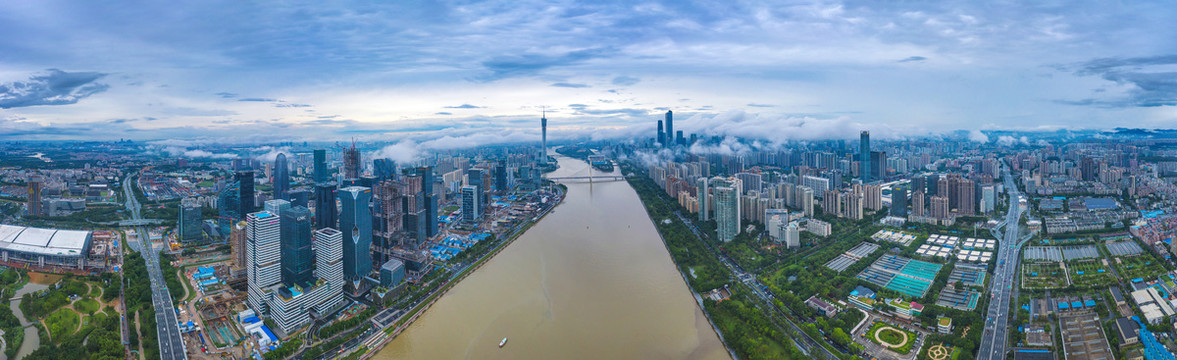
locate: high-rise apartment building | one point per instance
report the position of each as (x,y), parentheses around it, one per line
(727,208)
(702,193)
(917,204)
(940,208)
(872,197)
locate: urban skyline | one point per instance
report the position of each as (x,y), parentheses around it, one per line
(423,73)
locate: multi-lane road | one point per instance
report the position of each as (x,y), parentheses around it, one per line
(171,344)
(993,341)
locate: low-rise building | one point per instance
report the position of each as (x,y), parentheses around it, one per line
(821,306)
(1128,330)
(944,325)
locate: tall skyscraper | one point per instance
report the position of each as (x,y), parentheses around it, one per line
(299,197)
(501,177)
(355,222)
(351,162)
(263,237)
(296,247)
(864,167)
(475,177)
(320,172)
(669,128)
(383,169)
(281,178)
(427,179)
(281,291)
(898,201)
(543,124)
(34,200)
(878,165)
(326,214)
(471,208)
(245,192)
(661,135)
(188,225)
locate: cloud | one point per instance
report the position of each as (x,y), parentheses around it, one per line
(775,128)
(403,152)
(182,151)
(569,85)
(464,106)
(625,80)
(760,105)
(728,146)
(271,153)
(54,87)
(913,59)
(978,136)
(442,113)
(1006,140)
(226,95)
(258,100)
(531,64)
(1150,81)
(626,111)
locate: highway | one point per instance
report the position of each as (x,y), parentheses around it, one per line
(994,340)
(171,344)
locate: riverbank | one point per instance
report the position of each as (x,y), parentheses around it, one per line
(373,347)
(745,330)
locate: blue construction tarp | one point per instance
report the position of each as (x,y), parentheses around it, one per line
(269,333)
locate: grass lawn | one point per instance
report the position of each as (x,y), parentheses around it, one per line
(95,290)
(87,306)
(62,322)
(891,335)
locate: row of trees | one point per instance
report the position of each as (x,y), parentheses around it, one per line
(138,297)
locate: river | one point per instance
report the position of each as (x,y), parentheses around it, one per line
(32,341)
(592,280)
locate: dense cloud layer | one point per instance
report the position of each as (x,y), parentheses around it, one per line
(54,87)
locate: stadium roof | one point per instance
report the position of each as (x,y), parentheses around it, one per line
(44,241)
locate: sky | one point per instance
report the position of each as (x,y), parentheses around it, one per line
(460,74)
